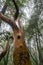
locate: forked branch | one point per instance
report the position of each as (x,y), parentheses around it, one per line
(9,21)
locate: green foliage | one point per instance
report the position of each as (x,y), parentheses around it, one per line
(19,2)
(8,2)
(34,31)
(4,61)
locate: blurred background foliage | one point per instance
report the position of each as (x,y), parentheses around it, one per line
(31,15)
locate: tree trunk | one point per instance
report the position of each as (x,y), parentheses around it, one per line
(20,56)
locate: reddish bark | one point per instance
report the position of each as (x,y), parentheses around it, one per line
(21,56)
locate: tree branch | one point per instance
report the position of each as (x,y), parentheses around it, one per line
(3,11)
(17,10)
(4,8)
(4,18)
(9,21)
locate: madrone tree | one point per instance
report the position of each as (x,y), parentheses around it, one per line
(20,55)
